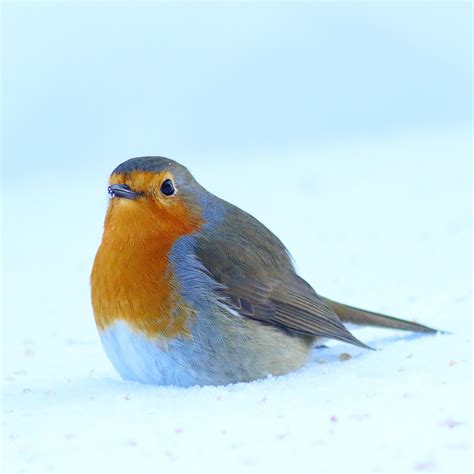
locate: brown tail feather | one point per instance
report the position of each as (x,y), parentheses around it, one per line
(348,314)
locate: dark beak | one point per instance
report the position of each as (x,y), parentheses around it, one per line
(123,191)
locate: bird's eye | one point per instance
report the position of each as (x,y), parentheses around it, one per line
(167,188)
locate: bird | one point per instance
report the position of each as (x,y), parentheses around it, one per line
(188,289)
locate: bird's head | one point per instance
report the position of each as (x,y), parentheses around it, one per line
(153,195)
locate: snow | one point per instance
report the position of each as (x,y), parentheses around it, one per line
(383,224)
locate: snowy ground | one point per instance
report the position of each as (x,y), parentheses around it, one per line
(384,225)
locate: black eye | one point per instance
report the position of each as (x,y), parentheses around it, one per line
(167,188)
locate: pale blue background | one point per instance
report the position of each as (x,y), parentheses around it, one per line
(345,128)
(98,83)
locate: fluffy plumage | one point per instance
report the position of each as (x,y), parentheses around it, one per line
(189,289)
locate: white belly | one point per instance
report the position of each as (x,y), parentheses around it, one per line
(216,354)
(136,357)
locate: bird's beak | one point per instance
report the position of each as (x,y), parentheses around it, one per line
(123,191)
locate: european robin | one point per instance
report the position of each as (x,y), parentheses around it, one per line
(188,289)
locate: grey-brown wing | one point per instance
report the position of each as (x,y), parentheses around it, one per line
(255,286)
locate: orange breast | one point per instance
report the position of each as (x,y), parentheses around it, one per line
(131,278)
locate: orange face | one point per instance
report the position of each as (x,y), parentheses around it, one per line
(131,279)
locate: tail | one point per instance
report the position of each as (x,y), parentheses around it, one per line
(348,314)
